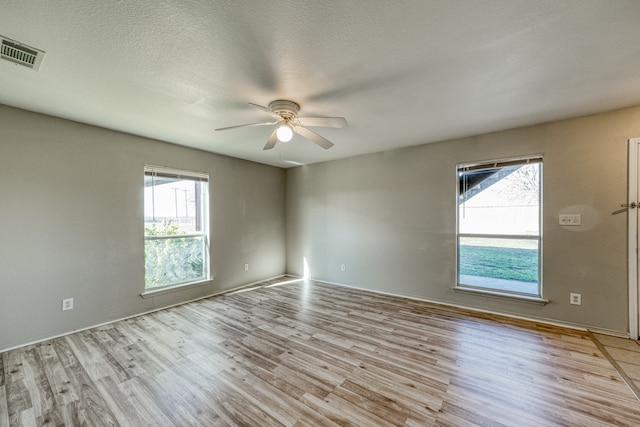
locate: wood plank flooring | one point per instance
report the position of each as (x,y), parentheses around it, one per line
(311,354)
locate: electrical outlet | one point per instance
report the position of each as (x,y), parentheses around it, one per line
(67,304)
(575,299)
(343,267)
(246,267)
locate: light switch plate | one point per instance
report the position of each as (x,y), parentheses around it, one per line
(570,219)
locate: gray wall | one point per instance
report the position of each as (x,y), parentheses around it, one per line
(390,217)
(71,223)
(71,213)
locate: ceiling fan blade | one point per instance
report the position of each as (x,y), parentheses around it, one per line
(312,136)
(265,109)
(326,122)
(271,142)
(248,125)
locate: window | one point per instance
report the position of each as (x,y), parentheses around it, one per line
(499,226)
(176,249)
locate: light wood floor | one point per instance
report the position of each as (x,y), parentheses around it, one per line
(312,354)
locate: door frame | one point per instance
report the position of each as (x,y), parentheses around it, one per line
(634,176)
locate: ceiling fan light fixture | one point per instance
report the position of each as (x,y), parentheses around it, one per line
(286,116)
(284,133)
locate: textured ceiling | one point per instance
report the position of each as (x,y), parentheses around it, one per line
(401,72)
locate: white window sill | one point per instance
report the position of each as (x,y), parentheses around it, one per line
(504,295)
(173,288)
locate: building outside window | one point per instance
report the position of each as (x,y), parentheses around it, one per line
(499,226)
(175,227)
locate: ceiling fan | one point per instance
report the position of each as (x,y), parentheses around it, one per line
(286,116)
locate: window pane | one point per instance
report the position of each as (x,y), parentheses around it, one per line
(499,264)
(175,227)
(172,206)
(500,201)
(174,260)
(499,228)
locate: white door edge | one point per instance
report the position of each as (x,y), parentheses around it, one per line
(634,151)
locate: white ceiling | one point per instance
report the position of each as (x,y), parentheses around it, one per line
(401,72)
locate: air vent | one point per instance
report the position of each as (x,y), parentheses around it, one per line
(20,53)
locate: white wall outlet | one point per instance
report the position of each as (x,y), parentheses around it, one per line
(343,267)
(570,219)
(67,304)
(575,299)
(246,267)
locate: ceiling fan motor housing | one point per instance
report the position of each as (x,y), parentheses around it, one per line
(288,110)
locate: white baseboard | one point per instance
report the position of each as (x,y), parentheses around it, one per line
(3,350)
(543,320)
(610,332)
(551,322)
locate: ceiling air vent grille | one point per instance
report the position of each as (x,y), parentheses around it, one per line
(19,53)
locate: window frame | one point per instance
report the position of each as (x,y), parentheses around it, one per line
(167,172)
(497,292)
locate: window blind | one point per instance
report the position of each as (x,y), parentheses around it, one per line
(500,163)
(164,172)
